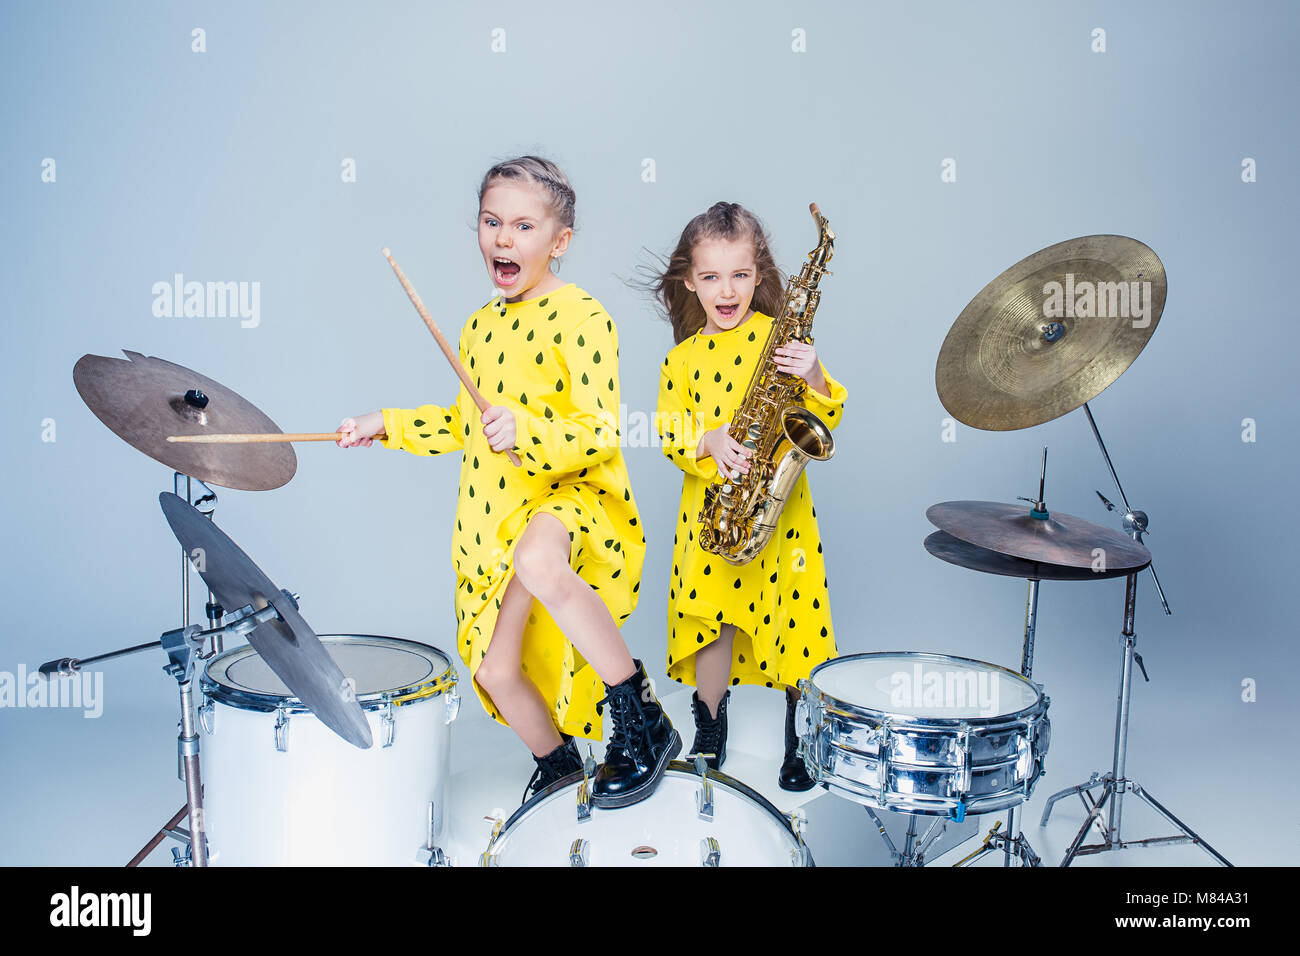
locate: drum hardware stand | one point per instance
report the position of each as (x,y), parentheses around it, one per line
(206,505)
(1014,842)
(1115,784)
(997,840)
(913,853)
(436,856)
(183,646)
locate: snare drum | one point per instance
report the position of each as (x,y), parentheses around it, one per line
(923,733)
(281,788)
(690,820)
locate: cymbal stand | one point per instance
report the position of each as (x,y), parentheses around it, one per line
(205,504)
(1115,784)
(183,646)
(1013,842)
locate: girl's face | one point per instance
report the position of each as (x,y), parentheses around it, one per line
(723,276)
(518,236)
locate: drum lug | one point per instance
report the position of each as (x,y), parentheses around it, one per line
(282,729)
(578,852)
(487,857)
(584,788)
(881,736)
(710,852)
(388,724)
(963,775)
(451,707)
(704,796)
(800,855)
(207,718)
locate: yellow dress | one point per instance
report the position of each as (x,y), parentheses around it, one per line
(778,601)
(553,361)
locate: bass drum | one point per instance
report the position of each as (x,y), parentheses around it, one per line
(282,789)
(682,824)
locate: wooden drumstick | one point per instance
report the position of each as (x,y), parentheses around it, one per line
(447,350)
(233,438)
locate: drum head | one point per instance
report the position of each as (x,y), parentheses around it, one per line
(925,686)
(379,666)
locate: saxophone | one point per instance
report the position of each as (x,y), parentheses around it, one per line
(740,514)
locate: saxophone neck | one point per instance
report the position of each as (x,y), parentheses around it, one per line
(825,239)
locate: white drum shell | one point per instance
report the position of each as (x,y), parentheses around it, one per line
(322,801)
(748,829)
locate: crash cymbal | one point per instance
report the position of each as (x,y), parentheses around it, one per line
(1059,539)
(965,555)
(289,646)
(144,399)
(1051,332)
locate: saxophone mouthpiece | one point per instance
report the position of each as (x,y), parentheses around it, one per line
(812,208)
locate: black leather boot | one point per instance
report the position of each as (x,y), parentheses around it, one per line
(642,743)
(710,730)
(560,762)
(794,775)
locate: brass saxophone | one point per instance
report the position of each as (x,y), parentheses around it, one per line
(740,514)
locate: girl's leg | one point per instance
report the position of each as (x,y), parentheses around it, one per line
(542,563)
(500,674)
(713,668)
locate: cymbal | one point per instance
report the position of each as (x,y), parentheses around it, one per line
(1012,359)
(289,646)
(963,554)
(143,399)
(1059,539)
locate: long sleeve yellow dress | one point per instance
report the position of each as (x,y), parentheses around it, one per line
(553,361)
(778,601)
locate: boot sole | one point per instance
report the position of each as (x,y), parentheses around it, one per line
(646,789)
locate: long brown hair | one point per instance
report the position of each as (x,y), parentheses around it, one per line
(723,220)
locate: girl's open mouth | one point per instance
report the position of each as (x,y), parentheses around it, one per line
(727,311)
(506,272)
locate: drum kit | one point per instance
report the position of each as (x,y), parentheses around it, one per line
(333,749)
(1026,350)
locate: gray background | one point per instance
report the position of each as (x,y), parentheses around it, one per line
(224,166)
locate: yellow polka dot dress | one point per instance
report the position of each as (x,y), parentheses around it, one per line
(553,361)
(779,600)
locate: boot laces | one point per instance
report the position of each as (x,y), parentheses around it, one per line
(627,716)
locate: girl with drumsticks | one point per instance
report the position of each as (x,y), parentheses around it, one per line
(767,622)
(548,555)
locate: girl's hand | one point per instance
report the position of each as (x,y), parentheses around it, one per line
(360,430)
(731,456)
(799,358)
(499,427)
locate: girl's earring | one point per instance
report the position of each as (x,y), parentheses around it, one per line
(555,262)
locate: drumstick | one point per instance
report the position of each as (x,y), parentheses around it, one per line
(452,357)
(236,438)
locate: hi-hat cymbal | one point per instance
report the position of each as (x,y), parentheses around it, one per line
(1025,351)
(1059,539)
(289,646)
(144,399)
(966,555)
